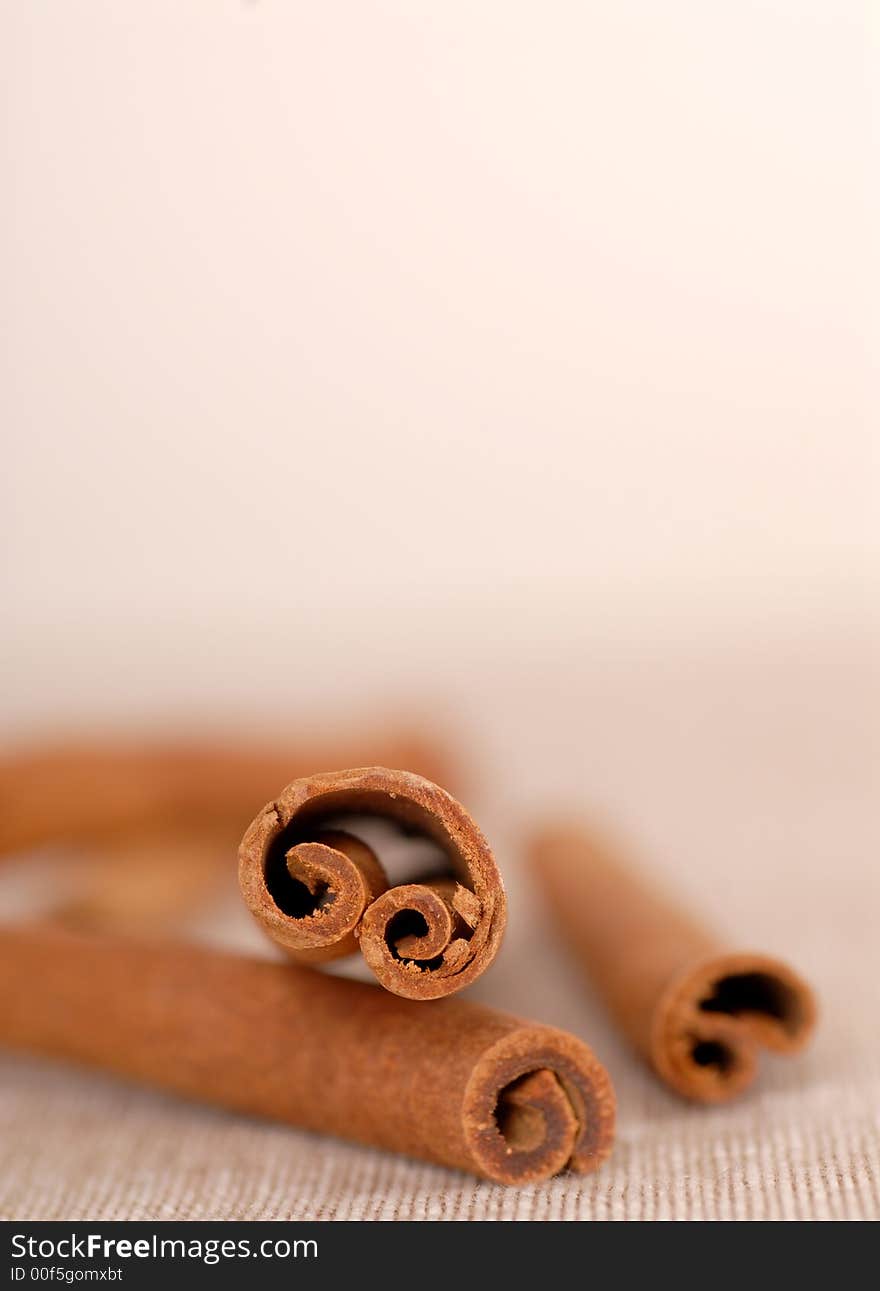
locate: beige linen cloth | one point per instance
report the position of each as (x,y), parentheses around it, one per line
(747,781)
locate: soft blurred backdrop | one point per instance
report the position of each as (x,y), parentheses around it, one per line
(509,365)
(349,345)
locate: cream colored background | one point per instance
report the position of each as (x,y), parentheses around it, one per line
(405,307)
(512,359)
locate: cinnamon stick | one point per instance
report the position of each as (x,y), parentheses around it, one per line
(149,881)
(695,1010)
(451,1082)
(320,895)
(81,791)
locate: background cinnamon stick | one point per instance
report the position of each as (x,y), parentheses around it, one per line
(152,881)
(81,791)
(696,1011)
(313,895)
(450,1082)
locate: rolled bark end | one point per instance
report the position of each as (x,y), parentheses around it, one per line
(416,939)
(696,1012)
(421,940)
(709,1024)
(323,889)
(538,1102)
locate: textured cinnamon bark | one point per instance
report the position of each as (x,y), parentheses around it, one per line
(450,1082)
(421,940)
(79,792)
(697,1012)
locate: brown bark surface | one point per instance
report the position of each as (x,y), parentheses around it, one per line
(695,1010)
(449,1082)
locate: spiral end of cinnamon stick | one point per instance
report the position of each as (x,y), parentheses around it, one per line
(417,939)
(313,897)
(538,1102)
(422,940)
(710,1023)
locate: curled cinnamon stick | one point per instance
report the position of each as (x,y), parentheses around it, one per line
(452,1083)
(315,893)
(80,792)
(697,1012)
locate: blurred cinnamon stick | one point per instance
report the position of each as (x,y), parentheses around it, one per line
(696,1011)
(450,1082)
(79,792)
(150,881)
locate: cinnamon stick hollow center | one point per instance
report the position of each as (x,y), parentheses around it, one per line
(319,892)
